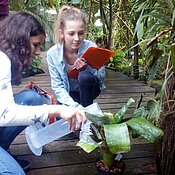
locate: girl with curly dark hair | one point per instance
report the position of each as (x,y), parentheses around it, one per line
(20,37)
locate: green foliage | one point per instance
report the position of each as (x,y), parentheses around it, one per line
(121,63)
(154,28)
(111,132)
(152,21)
(35,68)
(37,8)
(36,64)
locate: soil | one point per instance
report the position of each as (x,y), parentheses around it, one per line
(118,168)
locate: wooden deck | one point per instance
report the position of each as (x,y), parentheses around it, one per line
(62,157)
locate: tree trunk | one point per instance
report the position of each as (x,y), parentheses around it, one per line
(136,58)
(167,154)
(103,22)
(110,26)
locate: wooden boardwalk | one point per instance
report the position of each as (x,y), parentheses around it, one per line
(62,157)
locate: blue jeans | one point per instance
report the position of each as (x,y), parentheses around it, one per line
(8,165)
(89,89)
(9,133)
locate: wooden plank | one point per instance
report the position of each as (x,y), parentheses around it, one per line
(137,150)
(78,169)
(130,95)
(116,100)
(146,167)
(63,160)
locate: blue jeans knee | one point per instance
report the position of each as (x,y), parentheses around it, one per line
(28,97)
(8,165)
(86,78)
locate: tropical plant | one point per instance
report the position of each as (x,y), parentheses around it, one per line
(112,133)
(121,62)
(155,27)
(155,32)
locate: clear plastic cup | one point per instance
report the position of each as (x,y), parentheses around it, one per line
(38,136)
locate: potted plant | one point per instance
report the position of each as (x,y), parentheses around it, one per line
(112,134)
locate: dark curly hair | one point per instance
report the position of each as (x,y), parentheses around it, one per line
(15,32)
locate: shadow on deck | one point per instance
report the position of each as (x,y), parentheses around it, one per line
(62,157)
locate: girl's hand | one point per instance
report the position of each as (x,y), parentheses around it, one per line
(80,64)
(74,116)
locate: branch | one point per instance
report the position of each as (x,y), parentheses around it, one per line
(124,23)
(158,35)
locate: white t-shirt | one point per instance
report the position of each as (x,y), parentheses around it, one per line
(12,114)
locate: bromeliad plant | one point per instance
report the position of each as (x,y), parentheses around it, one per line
(112,133)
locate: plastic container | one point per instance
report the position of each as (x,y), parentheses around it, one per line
(38,136)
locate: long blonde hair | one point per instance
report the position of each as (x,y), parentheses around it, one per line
(66,13)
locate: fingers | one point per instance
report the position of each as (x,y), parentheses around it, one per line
(79,119)
(74,116)
(72,124)
(83,116)
(76,121)
(80,63)
(82,59)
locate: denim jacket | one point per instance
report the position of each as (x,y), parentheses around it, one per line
(59,78)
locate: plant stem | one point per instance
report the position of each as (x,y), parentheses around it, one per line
(107,156)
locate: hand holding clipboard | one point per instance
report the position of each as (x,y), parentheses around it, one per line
(95,57)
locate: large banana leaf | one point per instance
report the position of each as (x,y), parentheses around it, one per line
(144,128)
(117,138)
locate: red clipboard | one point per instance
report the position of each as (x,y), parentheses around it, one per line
(96,57)
(47,98)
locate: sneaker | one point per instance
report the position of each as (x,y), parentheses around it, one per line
(25,165)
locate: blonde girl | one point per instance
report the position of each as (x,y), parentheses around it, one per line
(65,55)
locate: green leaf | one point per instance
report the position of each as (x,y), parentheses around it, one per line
(154,110)
(117,138)
(140,112)
(162,90)
(96,135)
(173,1)
(75,1)
(87,143)
(140,30)
(119,115)
(144,128)
(99,120)
(172,21)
